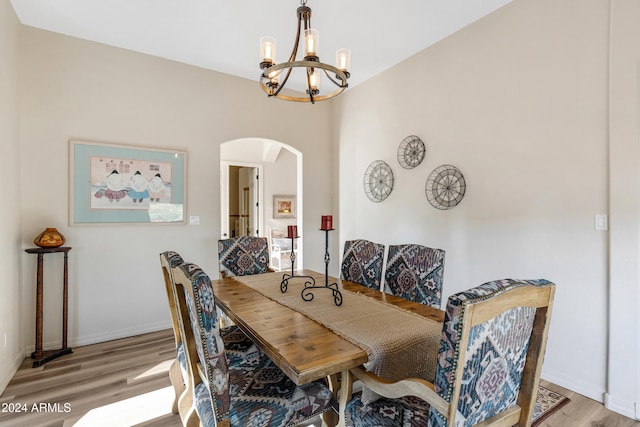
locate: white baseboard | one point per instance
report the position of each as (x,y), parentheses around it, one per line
(13,368)
(573,384)
(621,406)
(102,337)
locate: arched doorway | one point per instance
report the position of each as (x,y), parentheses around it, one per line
(247,206)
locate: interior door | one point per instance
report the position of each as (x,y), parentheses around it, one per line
(255,201)
(240,215)
(225,232)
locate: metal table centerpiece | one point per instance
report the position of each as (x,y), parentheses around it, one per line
(310,285)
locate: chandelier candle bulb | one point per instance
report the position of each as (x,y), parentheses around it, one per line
(343,59)
(314,81)
(311,38)
(268,50)
(273,78)
(327,222)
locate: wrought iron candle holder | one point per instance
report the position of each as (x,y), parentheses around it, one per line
(309,285)
(307,292)
(286,277)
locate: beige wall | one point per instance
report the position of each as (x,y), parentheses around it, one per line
(519,102)
(11,247)
(83,90)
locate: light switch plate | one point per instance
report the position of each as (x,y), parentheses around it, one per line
(602,223)
(194,220)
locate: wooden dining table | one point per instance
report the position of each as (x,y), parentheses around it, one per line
(303,348)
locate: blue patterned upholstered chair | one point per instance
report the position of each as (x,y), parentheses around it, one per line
(493,342)
(414,272)
(242,256)
(235,340)
(362,263)
(237,391)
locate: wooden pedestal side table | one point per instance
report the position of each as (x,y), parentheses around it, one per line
(41,356)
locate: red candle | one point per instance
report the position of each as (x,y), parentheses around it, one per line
(292,231)
(327,222)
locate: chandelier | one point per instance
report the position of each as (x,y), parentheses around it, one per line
(274,76)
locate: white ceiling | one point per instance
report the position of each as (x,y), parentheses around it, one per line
(224,35)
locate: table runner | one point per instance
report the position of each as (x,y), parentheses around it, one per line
(399,344)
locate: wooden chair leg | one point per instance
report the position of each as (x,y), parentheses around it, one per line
(187,409)
(191,418)
(330,417)
(346,390)
(176,380)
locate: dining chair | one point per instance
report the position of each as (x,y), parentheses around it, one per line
(414,272)
(362,263)
(280,249)
(178,368)
(241,256)
(237,343)
(245,391)
(488,369)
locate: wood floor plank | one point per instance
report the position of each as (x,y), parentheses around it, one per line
(126,383)
(111,379)
(583,412)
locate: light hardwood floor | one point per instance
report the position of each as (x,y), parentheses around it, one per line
(583,412)
(125,383)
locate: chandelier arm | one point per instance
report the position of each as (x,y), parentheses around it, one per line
(294,52)
(305,98)
(307,20)
(307,64)
(284,82)
(315,98)
(304,64)
(342,83)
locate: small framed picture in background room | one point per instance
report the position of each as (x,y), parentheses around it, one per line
(284,206)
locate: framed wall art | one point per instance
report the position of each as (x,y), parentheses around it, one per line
(111,183)
(284,206)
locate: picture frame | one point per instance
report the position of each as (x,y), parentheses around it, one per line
(126,184)
(284,206)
